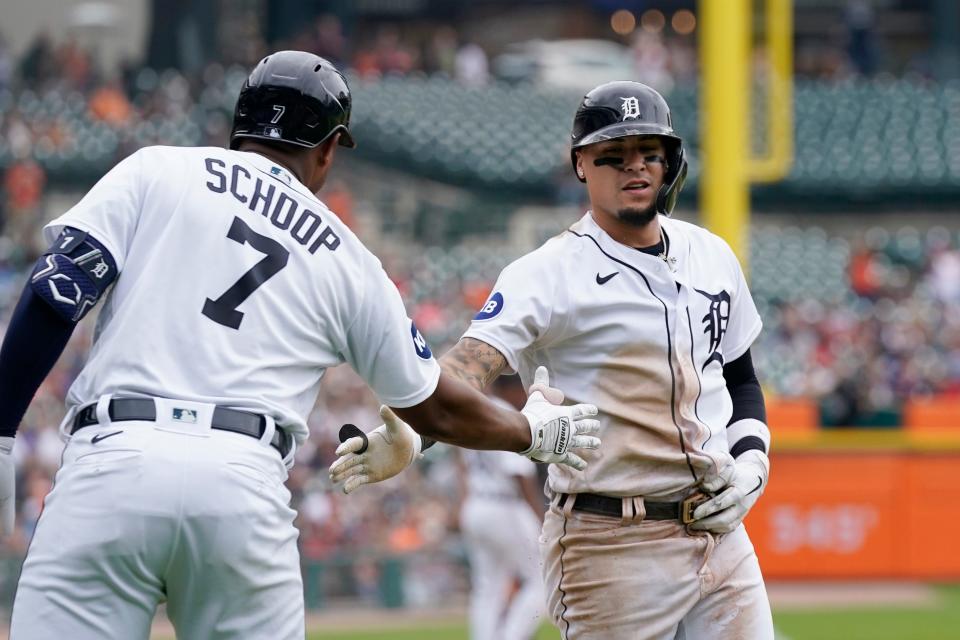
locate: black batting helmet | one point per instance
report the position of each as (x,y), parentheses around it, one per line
(293,97)
(621,109)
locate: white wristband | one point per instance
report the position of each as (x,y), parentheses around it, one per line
(745,428)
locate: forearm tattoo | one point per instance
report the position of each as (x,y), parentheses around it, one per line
(473,361)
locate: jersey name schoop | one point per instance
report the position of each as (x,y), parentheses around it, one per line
(237,286)
(260,196)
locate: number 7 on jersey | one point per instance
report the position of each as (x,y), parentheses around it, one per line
(223,310)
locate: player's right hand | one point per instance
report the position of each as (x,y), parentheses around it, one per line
(556,429)
(8,493)
(391,448)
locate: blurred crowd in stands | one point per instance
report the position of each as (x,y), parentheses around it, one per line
(895,333)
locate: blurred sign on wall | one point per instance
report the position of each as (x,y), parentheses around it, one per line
(858,515)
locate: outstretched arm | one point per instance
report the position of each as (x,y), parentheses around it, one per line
(460,415)
(473,361)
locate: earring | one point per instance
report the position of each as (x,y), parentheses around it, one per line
(580,172)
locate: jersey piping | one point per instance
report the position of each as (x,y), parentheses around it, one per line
(696,410)
(666,319)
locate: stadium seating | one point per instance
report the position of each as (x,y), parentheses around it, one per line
(865,139)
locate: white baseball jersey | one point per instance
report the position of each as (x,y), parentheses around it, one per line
(237,287)
(642,338)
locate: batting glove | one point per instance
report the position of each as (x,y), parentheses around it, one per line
(555,429)
(390,448)
(724,512)
(8,479)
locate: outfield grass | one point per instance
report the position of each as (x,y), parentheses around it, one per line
(940,621)
(438,632)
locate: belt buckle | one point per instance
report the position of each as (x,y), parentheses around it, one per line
(688,506)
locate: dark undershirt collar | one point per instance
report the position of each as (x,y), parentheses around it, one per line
(657,249)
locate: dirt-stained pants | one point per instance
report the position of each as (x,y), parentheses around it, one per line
(625,578)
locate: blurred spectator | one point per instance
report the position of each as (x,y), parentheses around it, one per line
(865,276)
(23,183)
(327,40)
(17,134)
(651,60)
(6,65)
(472,66)
(862,45)
(944,269)
(390,54)
(338,198)
(441,52)
(75,65)
(109,104)
(39,63)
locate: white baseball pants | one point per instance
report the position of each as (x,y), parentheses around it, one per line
(143,512)
(501,538)
(611,579)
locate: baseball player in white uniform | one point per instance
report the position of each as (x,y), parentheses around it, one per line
(500,520)
(652,319)
(233,289)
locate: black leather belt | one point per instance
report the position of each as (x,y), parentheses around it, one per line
(125,409)
(613,507)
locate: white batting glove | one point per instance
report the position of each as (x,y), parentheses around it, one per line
(555,429)
(724,512)
(391,448)
(8,493)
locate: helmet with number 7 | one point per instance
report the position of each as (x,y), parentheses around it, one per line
(294,97)
(621,109)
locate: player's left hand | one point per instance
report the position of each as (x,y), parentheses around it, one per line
(8,493)
(382,454)
(724,512)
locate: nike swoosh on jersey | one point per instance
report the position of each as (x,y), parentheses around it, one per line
(103,436)
(603,280)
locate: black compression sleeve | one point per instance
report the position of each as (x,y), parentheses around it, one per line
(35,339)
(744,390)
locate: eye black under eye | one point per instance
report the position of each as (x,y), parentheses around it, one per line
(605,160)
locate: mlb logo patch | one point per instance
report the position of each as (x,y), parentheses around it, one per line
(185,415)
(280,173)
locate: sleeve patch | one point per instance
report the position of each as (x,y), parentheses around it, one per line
(419,343)
(492,308)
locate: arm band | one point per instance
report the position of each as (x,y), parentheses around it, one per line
(73,274)
(744,389)
(747,429)
(66,283)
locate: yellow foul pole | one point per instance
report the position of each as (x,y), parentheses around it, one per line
(724,109)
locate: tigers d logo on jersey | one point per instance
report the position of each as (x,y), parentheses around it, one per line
(419,343)
(715,323)
(492,308)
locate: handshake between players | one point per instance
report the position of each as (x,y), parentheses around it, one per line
(555,430)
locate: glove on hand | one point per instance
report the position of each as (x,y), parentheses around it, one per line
(555,429)
(391,448)
(724,512)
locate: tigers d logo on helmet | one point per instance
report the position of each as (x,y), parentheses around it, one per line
(620,109)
